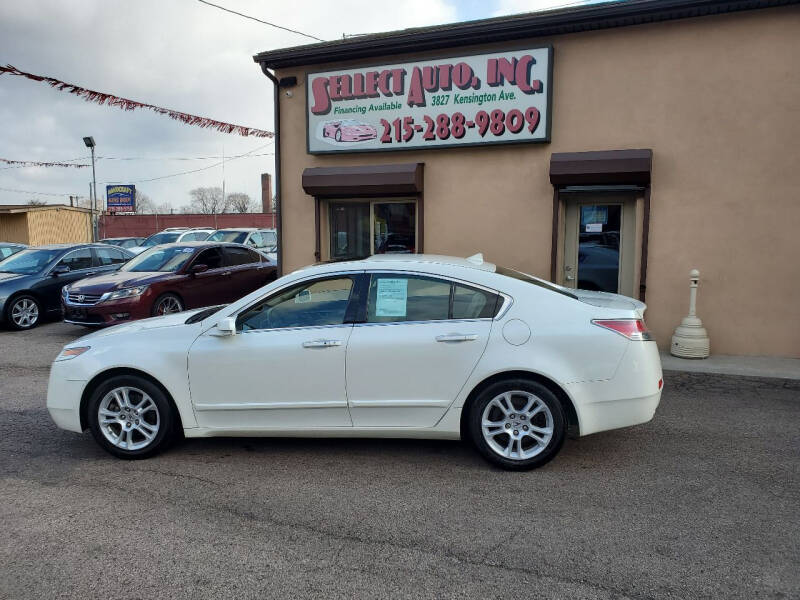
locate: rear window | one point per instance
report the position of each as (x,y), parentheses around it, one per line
(530,279)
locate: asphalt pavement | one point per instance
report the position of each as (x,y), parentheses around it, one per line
(703,502)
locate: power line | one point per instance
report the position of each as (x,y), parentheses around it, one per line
(247,155)
(260,21)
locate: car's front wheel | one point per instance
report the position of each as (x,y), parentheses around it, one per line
(517,424)
(166,305)
(23,312)
(130,417)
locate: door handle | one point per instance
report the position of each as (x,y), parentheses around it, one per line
(457,337)
(322,343)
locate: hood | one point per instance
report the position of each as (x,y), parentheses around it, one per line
(607,300)
(109,282)
(173,320)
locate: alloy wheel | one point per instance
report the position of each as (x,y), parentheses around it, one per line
(25,313)
(168,306)
(128,418)
(517,425)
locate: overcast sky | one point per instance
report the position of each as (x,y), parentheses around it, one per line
(179,54)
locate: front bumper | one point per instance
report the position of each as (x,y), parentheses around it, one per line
(105,314)
(64,397)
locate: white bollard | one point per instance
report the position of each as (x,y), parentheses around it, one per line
(690,339)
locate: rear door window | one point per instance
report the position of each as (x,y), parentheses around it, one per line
(241,256)
(472,303)
(396,298)
(109,256)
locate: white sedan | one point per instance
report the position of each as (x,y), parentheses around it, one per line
(412,346)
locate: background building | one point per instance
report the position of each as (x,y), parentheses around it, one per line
(47,224)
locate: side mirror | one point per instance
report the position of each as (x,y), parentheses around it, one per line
(199,268)
(226,326)
(59,270)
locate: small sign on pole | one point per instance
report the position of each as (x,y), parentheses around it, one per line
(120,198)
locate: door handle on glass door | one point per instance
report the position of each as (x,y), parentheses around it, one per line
(322,343)
(457,337)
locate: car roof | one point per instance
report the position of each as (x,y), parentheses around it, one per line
(377,261)
(66,246)
(243,229)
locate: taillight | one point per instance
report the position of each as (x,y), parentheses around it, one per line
(633,329)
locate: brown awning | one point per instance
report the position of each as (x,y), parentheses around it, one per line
(367,180)
(605,167)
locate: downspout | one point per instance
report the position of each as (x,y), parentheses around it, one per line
(278,220)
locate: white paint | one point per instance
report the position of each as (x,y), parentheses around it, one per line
(516,332)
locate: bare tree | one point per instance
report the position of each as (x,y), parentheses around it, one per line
(240,203)
(208,201)
(165,208)
(143,205)
(35,202)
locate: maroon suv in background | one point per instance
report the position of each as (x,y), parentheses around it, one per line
(167,279)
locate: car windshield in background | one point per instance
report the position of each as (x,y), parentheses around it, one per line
(161,238)
(168,259)
(270,238)
(29,262)
(234,237)
(530,279)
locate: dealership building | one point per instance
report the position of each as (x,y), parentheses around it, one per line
(612,146)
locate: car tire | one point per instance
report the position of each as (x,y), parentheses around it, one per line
(170,302)
(517,424)
(117,426)
(23,312)
(338,136)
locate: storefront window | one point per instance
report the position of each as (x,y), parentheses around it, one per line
(359,229)
(394,226)
(349,222)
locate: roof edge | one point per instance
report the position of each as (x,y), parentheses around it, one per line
(508,28)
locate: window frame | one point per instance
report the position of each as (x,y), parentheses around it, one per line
(194,260)
(248,249)
(353,304)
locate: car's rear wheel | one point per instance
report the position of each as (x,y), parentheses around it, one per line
(23,312)
(130,417)
(517,424)
(166,305)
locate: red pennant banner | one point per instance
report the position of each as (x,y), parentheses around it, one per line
(127,104)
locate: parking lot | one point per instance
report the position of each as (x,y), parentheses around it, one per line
(700,503)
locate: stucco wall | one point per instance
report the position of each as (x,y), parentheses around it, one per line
(718,101)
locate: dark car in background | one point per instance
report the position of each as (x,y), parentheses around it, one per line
(9,248)
(31,280)
(166,279)
(123,242)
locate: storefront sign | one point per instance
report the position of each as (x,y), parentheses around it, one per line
(120,198)
(496,98)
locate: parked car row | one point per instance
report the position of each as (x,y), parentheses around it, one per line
(101,284)
(261,239)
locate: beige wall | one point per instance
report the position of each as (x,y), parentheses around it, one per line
(718,101)
(59,226)
(14,228)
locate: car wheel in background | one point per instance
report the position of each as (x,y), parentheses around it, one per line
(130,417)
(23,312)
(166,305)
(517,424)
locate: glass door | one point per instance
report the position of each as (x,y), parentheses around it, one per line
(599,244)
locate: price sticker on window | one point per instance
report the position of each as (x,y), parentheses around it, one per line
(392,298)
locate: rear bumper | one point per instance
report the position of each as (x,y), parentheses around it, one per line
(631,397)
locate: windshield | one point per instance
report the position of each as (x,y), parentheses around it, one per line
(29,262)
(270,238)
(166,260)
(234,237)
(161,238)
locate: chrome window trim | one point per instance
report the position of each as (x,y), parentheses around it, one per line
(305,327)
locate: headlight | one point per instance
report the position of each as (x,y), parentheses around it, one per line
(70,353)
(124,293)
